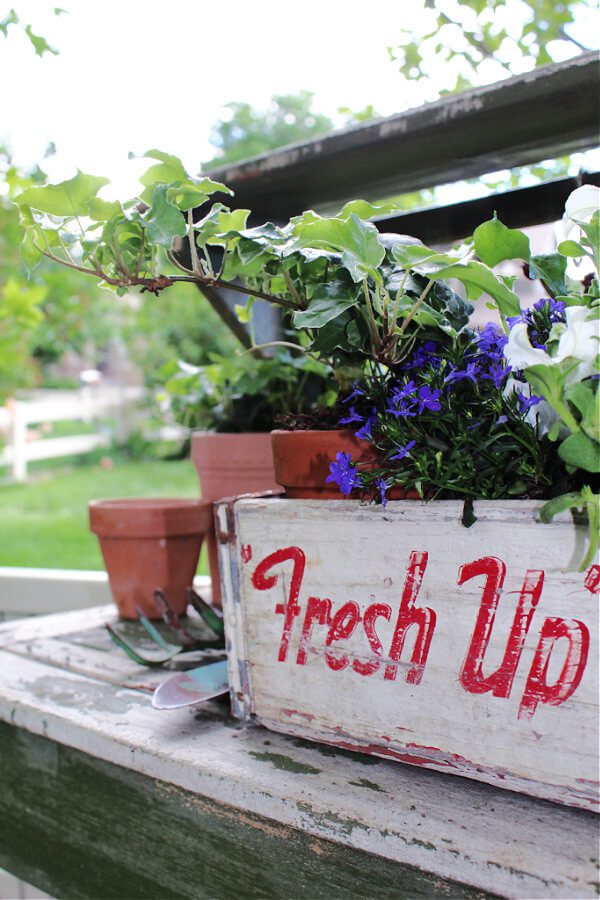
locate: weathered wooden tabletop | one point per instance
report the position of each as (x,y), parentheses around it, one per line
(103,796)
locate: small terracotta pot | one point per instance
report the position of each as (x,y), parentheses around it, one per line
(230,464)
(148,544)
(302,460)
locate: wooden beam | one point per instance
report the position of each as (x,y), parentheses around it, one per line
(545,113)
(516,209)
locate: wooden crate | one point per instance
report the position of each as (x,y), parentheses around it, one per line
(402,633)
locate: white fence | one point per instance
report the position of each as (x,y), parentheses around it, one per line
(24,444)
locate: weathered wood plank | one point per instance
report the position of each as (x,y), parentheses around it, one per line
(80,827)
(544,113)
(499,842)
(498,680)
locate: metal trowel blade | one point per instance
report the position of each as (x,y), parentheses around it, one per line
(191,687)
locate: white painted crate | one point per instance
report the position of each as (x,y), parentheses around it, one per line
(403,634)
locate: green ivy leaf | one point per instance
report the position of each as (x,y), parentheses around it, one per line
(69,198)
(163,222)
(365,210)
(494,243)
(328,303)
(357,241)
(189,195)
(551,270)
(103,210)
(477,279)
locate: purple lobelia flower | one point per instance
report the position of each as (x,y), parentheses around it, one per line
(428,399)
(401,452)
(425,355)
(356,392)
(491,340)
(365,433)
(344,474)
(525,403)
(406,408)
(471,372)
(382,488)
(353,417)
(497,373)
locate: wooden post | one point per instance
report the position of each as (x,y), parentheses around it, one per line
(19,442)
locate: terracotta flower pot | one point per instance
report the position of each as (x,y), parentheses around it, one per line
(302,460)
(148,544)
(230,464)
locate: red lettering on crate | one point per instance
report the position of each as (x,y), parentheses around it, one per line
(471,674)
(317,610)
(592,579)
(246,551)
(537,690)
(372,613)
(342,627)
(408,615)
(263,582)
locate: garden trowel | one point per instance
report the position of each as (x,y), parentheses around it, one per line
(192,687)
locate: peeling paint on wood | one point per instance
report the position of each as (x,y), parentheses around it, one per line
(403,634)
(95,762)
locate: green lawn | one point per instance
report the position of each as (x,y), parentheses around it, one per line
(45,523)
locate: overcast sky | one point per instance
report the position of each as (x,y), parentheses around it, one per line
(137,74)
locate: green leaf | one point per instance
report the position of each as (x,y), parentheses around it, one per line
(560,504)
(581,451)
(570,248)
(191,194)
(39,43)
(163,222)
(11,19)
(328,303)
(103,210)
(69,198)
(168,169)
(550,269)
(357,241)
(365,210)
(494,243)
(587,402)
(477,279)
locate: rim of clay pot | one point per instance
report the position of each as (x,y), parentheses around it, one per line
(135,517)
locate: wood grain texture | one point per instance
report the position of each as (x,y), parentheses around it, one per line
(509,697)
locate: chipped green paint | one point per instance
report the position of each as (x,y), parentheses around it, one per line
(285,763)
(364,782)
(79,827)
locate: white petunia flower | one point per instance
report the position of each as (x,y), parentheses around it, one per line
(582,203)
(579,341)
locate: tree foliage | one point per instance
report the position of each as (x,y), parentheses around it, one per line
(479,41)
(12,21)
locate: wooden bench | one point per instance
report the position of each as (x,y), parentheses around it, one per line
(103,796)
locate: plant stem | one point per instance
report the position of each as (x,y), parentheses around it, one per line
(193,249)
(413,311)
